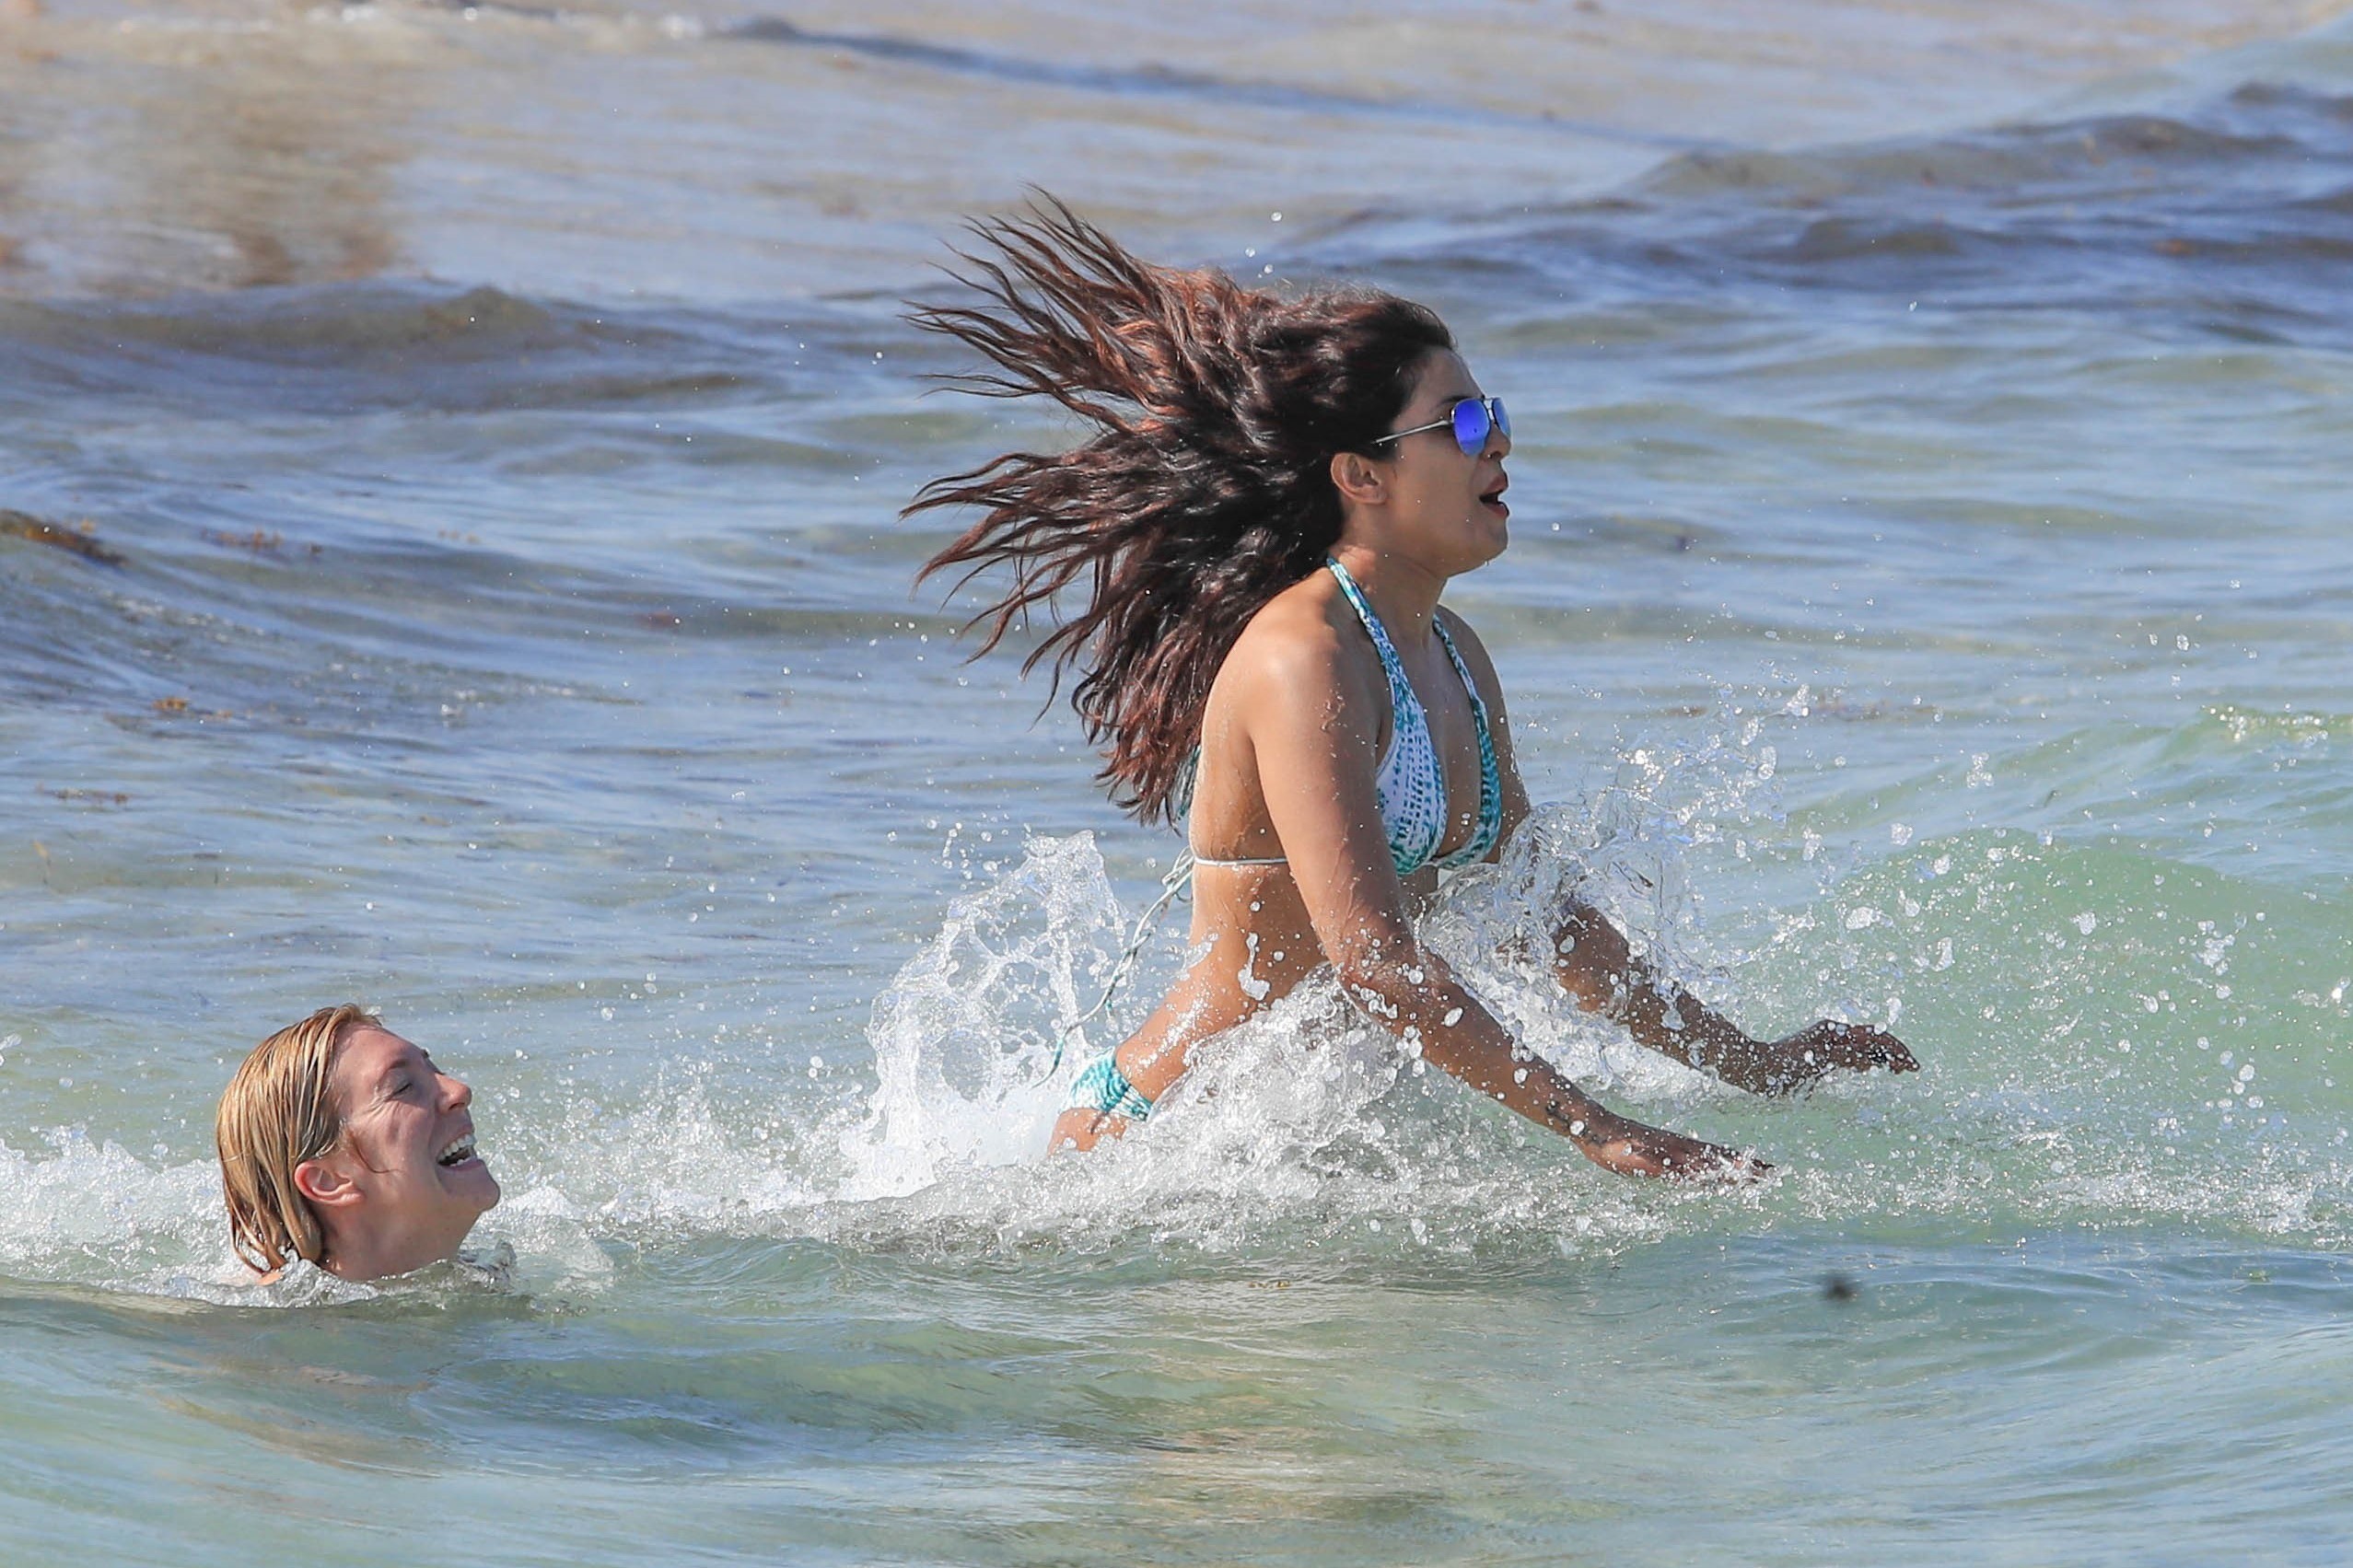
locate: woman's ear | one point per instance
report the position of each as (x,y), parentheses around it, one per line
(1359,479)
(324,1185)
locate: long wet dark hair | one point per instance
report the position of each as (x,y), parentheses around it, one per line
(1204,488)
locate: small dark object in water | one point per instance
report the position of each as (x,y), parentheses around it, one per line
(1838,1287)
(78,542)
(261,541)
(92,796)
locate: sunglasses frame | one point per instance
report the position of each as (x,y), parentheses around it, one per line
(1492,421)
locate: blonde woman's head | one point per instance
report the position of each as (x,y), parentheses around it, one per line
(279,1111)
(341,1143)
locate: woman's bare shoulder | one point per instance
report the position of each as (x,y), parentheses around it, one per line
(1294,654)
(1296,672)
(1294,639)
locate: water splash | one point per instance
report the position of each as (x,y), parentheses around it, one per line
(967,1037)
(2109,1039)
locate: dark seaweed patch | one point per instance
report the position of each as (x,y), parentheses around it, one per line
(81,540)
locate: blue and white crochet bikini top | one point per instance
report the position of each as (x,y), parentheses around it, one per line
(1411,785)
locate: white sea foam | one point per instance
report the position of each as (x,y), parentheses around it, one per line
(1311,1128)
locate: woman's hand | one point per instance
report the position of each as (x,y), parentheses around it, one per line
(1827,1046)
(1629,1148)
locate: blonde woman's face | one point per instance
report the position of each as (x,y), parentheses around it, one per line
(408,1147)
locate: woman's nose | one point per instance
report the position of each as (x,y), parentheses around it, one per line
(454,1092)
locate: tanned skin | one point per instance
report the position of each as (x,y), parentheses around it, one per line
(1298,722)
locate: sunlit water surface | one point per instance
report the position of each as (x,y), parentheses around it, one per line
(450,459)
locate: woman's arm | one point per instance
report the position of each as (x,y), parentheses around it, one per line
(1313,722)
(1414,992)
(1596,965)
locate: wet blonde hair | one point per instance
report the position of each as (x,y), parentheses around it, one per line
(279,1111)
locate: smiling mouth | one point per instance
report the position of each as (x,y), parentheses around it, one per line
(458,1153)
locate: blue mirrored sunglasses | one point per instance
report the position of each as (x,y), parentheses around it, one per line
(1473,419)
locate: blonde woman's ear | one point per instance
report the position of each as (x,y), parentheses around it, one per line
(324,1185)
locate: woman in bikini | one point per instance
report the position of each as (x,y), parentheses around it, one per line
(1273,496)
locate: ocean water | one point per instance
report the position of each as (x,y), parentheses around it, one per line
(448,467)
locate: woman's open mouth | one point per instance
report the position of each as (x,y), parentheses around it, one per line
(1493,499)
(460,1151)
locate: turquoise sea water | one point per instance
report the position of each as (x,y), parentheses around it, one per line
(483,431)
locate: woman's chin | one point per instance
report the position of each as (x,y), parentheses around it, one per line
(471,1181)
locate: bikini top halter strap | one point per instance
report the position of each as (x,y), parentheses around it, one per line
(1412,766)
